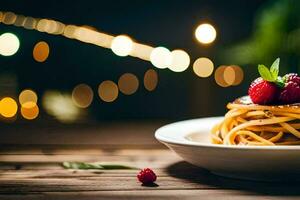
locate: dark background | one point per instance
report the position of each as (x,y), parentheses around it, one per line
(169,23)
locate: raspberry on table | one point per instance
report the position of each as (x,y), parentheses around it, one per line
(146,176)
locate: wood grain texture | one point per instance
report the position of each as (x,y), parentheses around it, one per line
(150,195)
(34,171)
(42,176)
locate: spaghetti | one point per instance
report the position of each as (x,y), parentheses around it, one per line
(252,124)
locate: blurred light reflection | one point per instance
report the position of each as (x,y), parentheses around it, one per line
(9,44)
(150,80)
(82,95)
(8,107)
(41,51)
(60,106)
(27,96)
(128,83)
(203,67)
(108,91)
(205,33)
(180,60)
(29,110)
(122,45)
(161,57)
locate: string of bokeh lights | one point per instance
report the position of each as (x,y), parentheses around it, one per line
(122,45)
(67,107)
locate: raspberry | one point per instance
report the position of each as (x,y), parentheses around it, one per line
(146,176)
(290,93)
(262,92)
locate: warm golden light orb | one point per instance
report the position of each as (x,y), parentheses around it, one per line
(28,96)
(239,74)
(229,75)
(9,44)
(29,110)
(82,95)
(150,79)
(108,91)
(128,83)
(122,45)
(180,61)
(205,33)
(203,67)
(8,107)
(9,18)
(161,57)
(219,76)
(41,51)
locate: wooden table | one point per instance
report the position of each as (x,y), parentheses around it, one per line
(31,170)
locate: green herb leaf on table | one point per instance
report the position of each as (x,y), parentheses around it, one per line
(275,68)
(265,73)
(84,165)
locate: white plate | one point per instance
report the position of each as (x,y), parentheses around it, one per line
(190,140)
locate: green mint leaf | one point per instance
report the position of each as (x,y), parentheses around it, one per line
(275,68)
(84,165)
(265,73)
(80,165)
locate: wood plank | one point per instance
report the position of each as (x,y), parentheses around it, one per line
(91,184)
(185,177)
(41,176)
(151,195)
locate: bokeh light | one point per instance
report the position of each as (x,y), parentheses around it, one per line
(180,61)
(43,25)
(229,75)
(128,83)
(108,91)
(82,95)
(29,110)
(60,106)
(85,34)
(59,28)
(9,18)
(8,107)
(1,16)
(27,96)
(161,57)
(69,31)
(239,74)
(41,51)
(205,33)
(141,51)
(219,76)
(9,44)
(122,45)
(203,67)
(30,23)
(20,20)
(150,79)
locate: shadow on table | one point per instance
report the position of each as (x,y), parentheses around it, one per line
(184,170)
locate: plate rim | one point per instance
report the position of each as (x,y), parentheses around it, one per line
(158,135)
